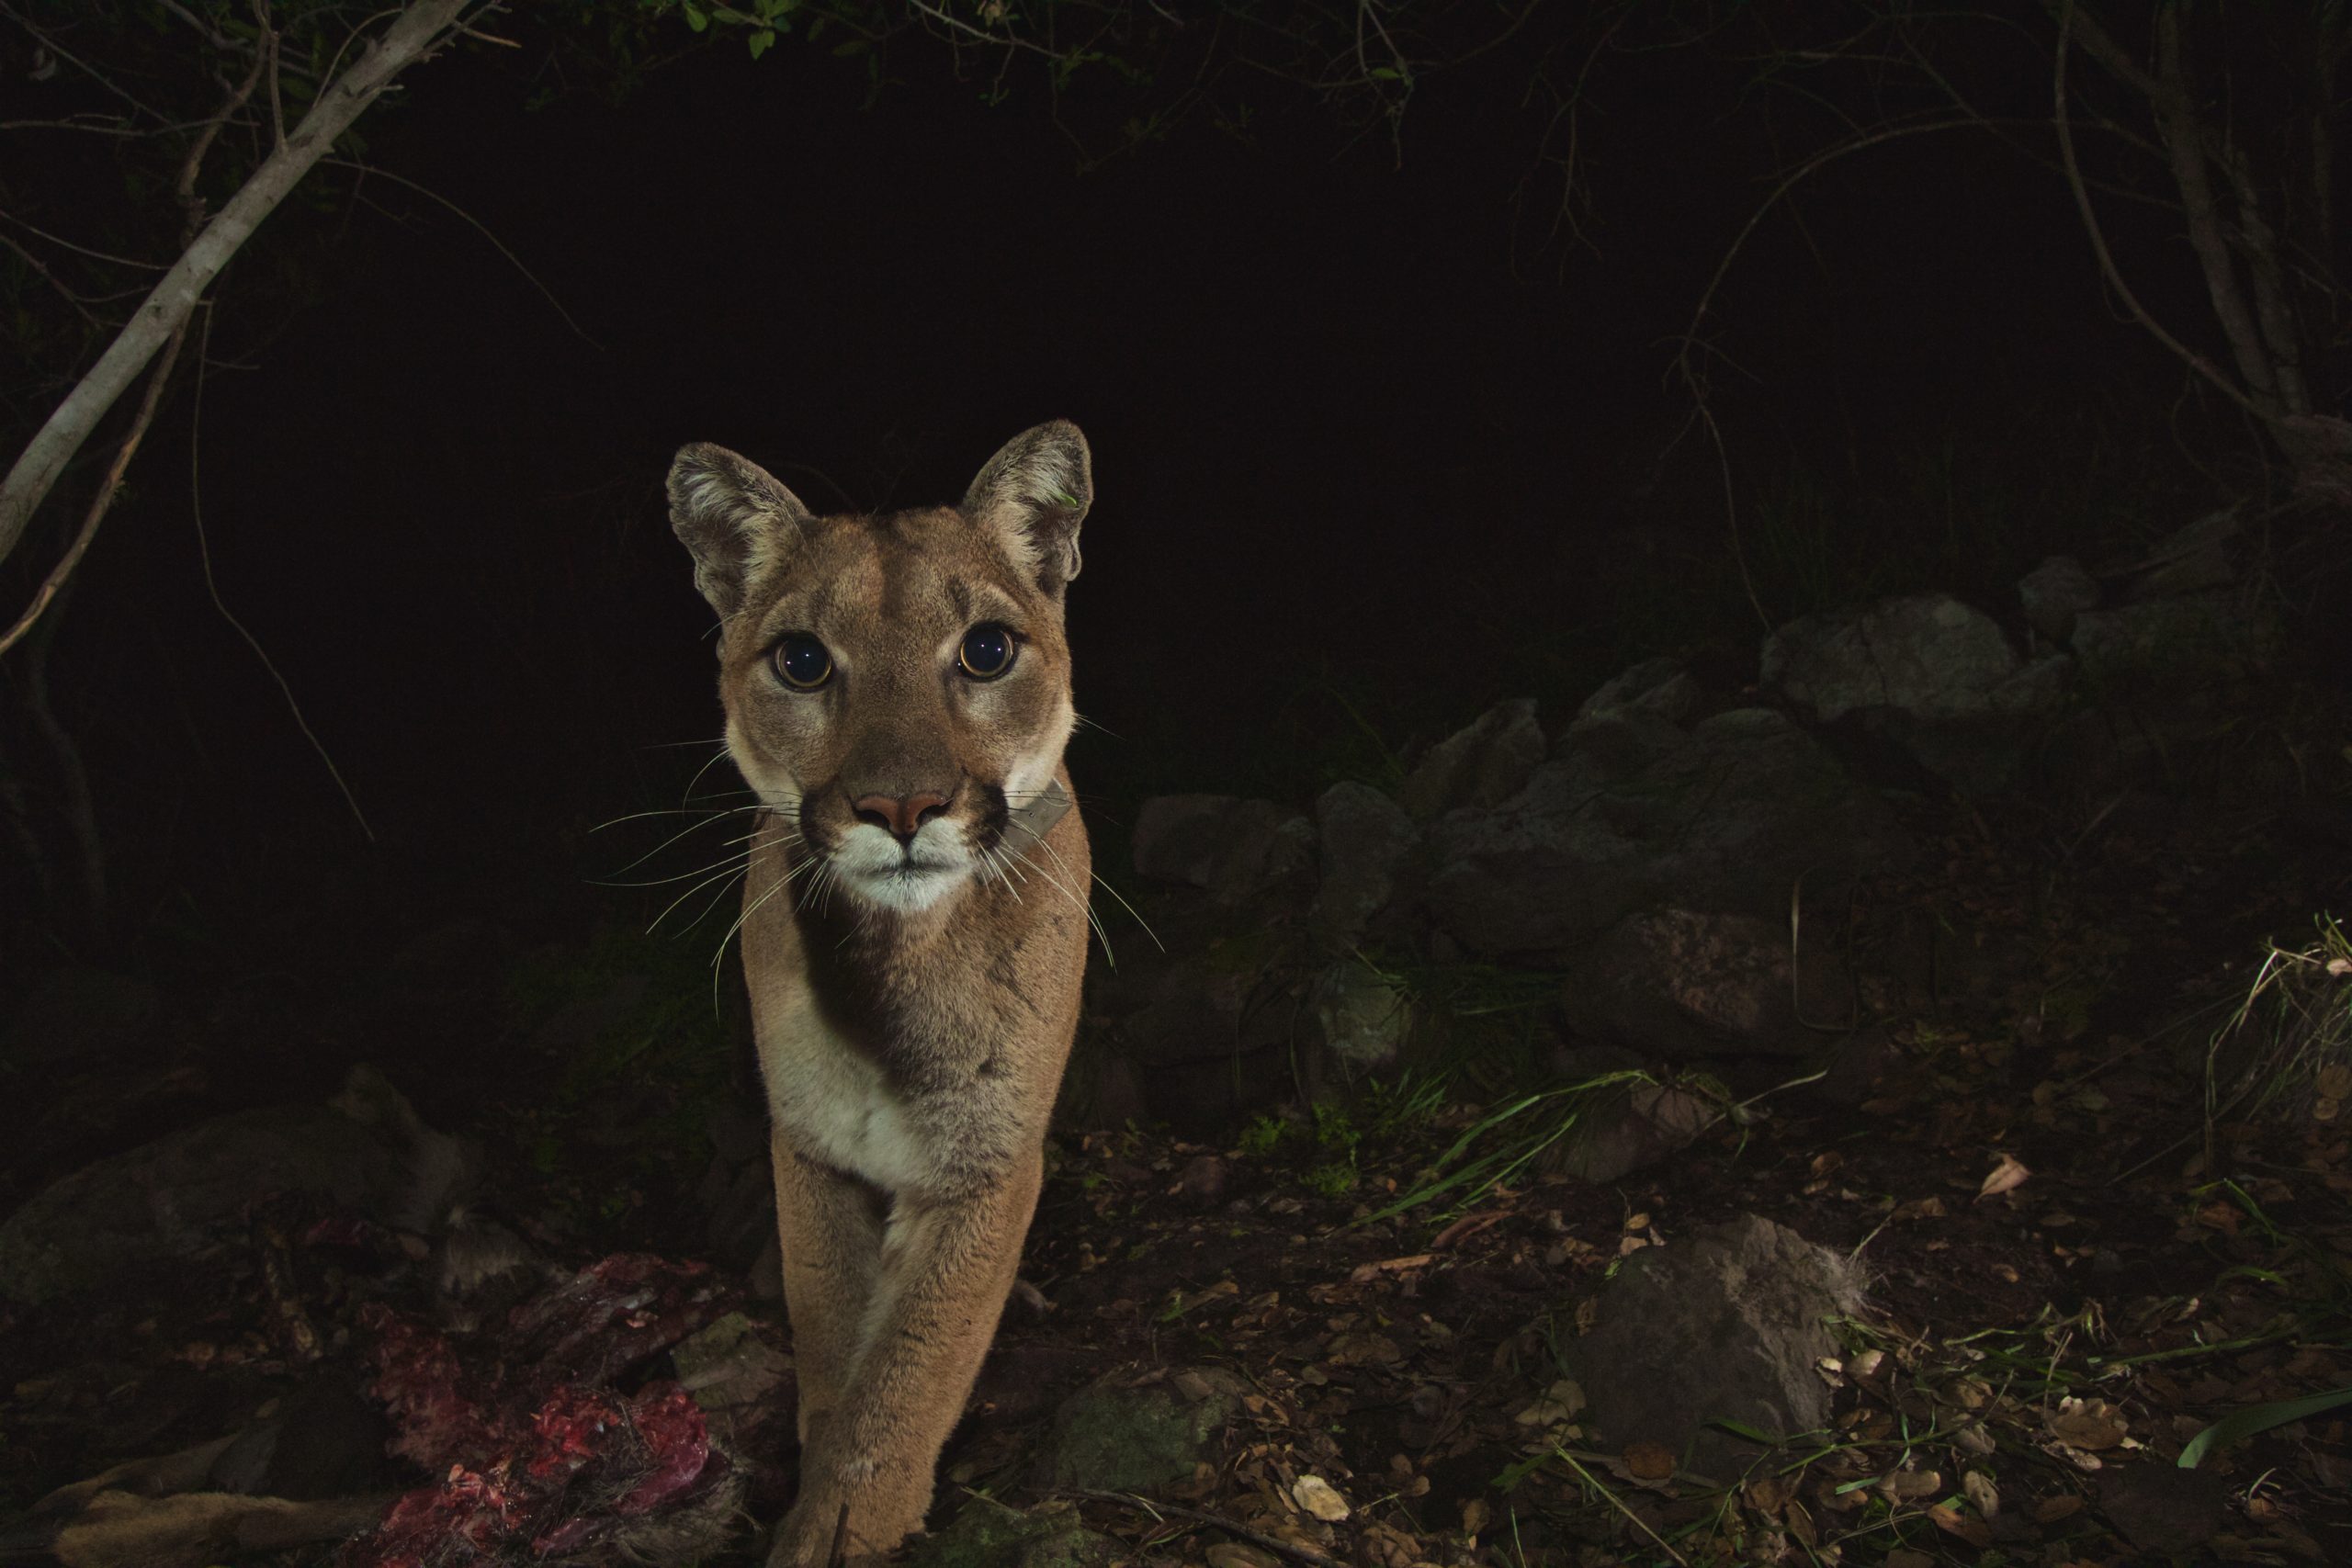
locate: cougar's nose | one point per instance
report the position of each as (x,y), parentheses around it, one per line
(901,815)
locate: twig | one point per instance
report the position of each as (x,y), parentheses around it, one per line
(64,244)
(42,270)
(107,487)
(184,188)
(1313,1555)
(479,228)
(204,554)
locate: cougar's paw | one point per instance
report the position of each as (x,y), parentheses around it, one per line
(819,1533)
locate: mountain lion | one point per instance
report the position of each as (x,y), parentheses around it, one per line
(898,696)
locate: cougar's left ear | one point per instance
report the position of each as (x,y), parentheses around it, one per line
(1033,494)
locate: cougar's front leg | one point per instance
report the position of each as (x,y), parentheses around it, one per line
(829,1224)
(946,1269)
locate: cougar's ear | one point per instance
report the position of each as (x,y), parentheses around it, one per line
(1033,494)
(734,517)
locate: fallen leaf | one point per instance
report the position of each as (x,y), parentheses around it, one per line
(2050,1510)
(1559,1402)
(1951,1521)
(1364,1273)
(2007,1177)
(1318,1497)
(1474,1513)
(1236,1554)
(1910,1486)
(2091,1425)
(1983,1494)
(1649,1461)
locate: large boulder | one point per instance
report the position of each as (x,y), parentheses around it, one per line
(2166,646)
(1483,764)
(1727,1322)
(1928,655)
(1230,847)
(170,1198)
(1632,811)
(1932,675)
(1661,686)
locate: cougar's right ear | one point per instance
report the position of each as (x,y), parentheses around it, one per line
(736,519)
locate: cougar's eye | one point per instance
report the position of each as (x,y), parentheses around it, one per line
(802,663)
(986,652)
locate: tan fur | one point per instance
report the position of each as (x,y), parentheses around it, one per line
(915,997)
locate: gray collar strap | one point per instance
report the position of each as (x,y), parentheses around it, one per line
(1037,818)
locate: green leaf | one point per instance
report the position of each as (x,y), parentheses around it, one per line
(695,18)
(761,41)
(2258,1418)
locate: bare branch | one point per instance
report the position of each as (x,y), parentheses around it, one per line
(2184,139)
(2189,356)
(420,29)
(54,583)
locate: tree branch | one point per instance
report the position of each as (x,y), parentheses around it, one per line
(2107,266)
(2176,118)
(165,311)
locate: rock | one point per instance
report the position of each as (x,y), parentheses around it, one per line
(1231,846)
(1365,839)
(1681,984)
(1484,765)
(1929,655)
(1661,686)
(2162,644)
(1726,1322)
(1634,1127)
(1632,812)
(165,1200)
(1115,1437)
(1206,1035)
(2189,560)
(2054,594)
(1360,1020)
(986,1534)
(1927,671)
(77,1016)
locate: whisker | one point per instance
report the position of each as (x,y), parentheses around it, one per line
(1092,919)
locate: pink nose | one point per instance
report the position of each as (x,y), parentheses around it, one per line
(899,814)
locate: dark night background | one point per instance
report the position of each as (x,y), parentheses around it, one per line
(1372,440)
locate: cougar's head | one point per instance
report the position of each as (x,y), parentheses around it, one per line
(898,684)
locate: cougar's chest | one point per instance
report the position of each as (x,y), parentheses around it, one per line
(836,1105)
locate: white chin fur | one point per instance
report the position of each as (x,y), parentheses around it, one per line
(872,866)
